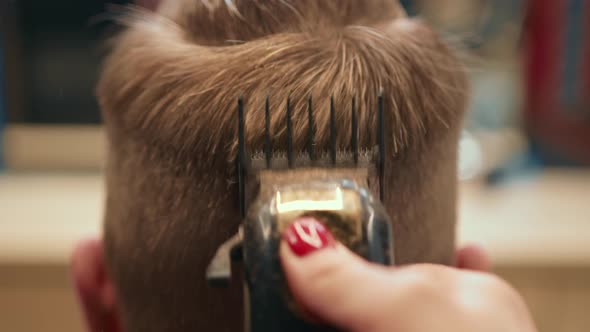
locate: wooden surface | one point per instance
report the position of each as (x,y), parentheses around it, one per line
(54,147)
(37,298)
(42,216)
(540,221)
(537,231)
(558,297)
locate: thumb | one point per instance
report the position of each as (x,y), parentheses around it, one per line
(330,281)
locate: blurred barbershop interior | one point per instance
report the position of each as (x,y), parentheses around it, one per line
(524,153)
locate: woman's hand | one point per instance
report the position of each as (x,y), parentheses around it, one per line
(341,289)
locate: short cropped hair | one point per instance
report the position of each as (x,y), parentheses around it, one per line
(168,94)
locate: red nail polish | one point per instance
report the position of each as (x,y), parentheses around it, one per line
(307,235)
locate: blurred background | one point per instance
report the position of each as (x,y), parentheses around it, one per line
(525,152)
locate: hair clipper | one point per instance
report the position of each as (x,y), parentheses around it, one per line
(341,188)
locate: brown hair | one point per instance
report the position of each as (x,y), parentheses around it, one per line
(168,94)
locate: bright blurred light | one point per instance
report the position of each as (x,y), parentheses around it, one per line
(470,157)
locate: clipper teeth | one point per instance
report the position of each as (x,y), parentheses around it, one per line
(270,159)
(344,158)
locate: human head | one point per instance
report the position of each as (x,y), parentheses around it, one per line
(168,94)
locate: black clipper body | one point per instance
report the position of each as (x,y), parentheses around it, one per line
(337,188)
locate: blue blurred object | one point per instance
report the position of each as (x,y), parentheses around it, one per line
(521,166)
(409,7)
(498,15)
(574,49)
(557,67)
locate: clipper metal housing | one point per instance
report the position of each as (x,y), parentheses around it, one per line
(336,187)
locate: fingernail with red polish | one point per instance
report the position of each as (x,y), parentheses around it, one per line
(307,235)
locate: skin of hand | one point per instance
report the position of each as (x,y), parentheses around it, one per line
(339,288)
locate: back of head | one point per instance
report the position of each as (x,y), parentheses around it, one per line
(168,94)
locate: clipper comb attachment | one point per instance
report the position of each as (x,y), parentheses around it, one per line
(336,186)
(332,131)
(381,143)
(311,130)
(269,158)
